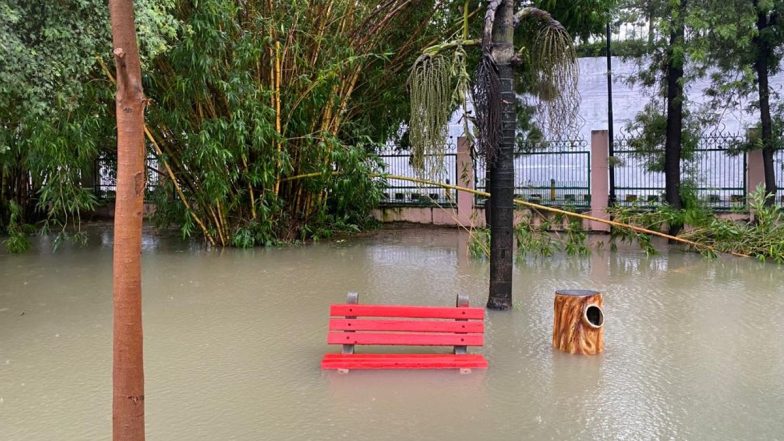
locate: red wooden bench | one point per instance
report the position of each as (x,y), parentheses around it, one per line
(353,324)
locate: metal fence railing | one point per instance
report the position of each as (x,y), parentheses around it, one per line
(715,169)
(400,192)
(105,172)
(778,167)
(554,173)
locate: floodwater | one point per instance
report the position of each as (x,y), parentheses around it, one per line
(233,340)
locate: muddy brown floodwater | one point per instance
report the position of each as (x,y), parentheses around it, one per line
(233,340)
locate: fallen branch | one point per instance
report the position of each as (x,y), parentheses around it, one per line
(540,207)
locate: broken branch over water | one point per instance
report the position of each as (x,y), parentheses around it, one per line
(521,202)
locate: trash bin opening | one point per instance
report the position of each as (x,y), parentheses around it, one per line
(594,316)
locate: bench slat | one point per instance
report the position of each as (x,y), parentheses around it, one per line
(413,339)
(403,361)
(406,325)
(406,311)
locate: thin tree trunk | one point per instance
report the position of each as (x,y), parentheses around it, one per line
(651,29)
(672,145)
(502,182)
(761,61)
(128,370)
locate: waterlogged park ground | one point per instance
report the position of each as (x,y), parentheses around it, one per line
(233,340)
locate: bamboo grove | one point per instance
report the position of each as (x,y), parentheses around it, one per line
(243,94)
(277,89)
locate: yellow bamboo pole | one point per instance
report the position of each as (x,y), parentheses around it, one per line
(222,219)
(568,213)
(250,189)
(218,227)
(169,171)
(277,112)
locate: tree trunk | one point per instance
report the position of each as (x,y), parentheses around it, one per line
(502,182)
(763,54)
(651,24)
(128,370)
(672,144)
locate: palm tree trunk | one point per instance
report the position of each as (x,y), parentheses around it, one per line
(128,370)
(502,176)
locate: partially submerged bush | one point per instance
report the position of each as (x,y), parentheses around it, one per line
(536,235)
(761,236)
(17,241)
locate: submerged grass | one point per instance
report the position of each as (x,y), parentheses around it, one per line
(537,235)
(761,235)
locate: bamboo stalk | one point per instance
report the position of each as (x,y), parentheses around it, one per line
(347,18)
(278,146)
(465,20)
(378,27)
(222,219)
(320,35)
(567,213)
(169,171)
(218,227)
(250,189)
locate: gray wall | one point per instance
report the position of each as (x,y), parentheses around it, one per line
(629,99)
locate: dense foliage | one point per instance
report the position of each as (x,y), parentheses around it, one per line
(538,235)
(760,236)
(243,97)
(737,44)
(252,96)
(56,115)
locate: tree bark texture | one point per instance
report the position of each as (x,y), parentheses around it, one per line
(761,63)
(672,144)
(578,322)
(502,181)
(128,370)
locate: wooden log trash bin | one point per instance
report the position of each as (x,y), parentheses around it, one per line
(578,323)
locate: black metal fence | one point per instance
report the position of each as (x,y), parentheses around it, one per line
(400,192)
(716,170)
(105,173)
(553,173)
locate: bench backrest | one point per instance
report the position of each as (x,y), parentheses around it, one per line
(354,324)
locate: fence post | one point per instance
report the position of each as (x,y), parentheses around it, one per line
(755,167)
(465,178)
(599,178)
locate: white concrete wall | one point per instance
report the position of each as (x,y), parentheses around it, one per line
(628,100)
